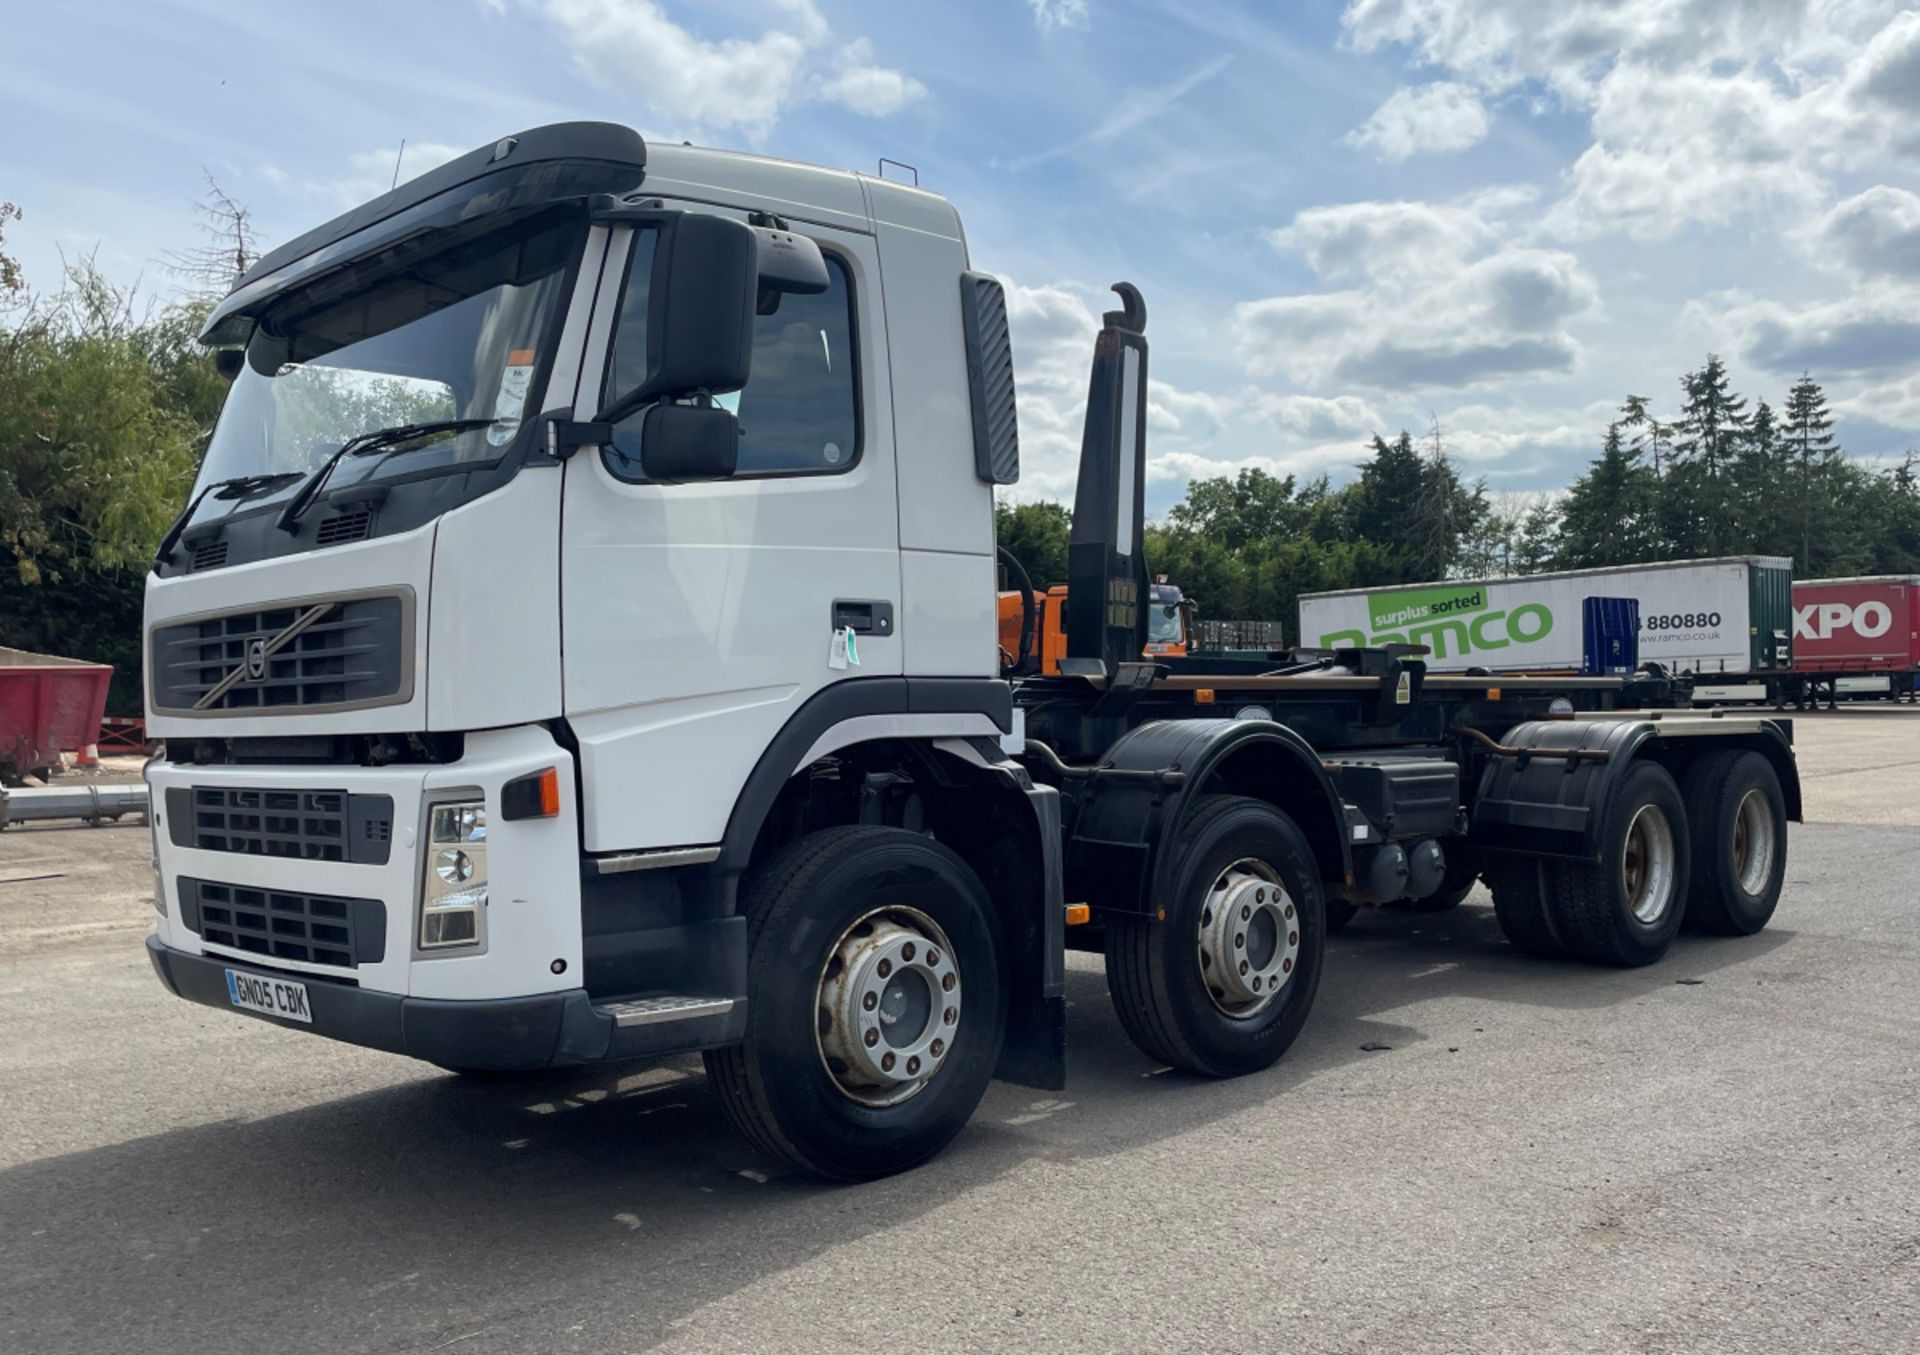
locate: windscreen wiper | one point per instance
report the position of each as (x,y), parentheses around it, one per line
(363,445)
(234,487)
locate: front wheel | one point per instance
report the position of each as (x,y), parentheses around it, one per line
(876,1010)
(1220,981)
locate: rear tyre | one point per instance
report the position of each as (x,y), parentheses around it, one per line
(1223,983)
(1520,885)
(1737,814)
(876,1008)
(1626,910)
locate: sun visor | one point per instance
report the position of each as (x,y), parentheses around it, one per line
(538,167)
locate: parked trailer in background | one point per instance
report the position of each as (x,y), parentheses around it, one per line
(1705,617)
(1857,637)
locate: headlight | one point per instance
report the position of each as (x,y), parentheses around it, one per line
(453,888)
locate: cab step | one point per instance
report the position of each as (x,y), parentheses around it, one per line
(646,1011)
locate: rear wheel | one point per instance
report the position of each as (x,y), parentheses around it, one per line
(1738,818)
(1520,889)
(876,1009)
(1222,984)
(1626,909)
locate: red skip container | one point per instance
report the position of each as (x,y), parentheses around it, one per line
(48,705)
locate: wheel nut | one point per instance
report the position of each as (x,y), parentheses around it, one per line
(913,1065)
(947,981)
(886,1063)
(1243,966)
(872,1038)
(952,1015)
(884,968)
(870,1001)
(1239,940)
(1256,983)
(933,955)
(1286,966)
(939,1048)
(1246,913)
(1289,912)
(1259,896)
(907,951)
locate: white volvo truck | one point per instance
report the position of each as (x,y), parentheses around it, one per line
(581,645)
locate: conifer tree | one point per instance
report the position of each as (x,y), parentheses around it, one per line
(1810,443)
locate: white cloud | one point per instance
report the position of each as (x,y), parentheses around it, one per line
(1872,331)
(862,87)
(1703,112)
(726,83)
(1137,107)
(374,172)
(1894,404)
(1444,116)
(1875,234)
(1448,300)
(1050,16)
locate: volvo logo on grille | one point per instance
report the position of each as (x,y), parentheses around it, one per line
(254,667)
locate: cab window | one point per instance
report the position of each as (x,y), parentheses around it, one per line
(798,412)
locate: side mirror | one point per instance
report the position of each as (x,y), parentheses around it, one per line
(702,294)
(679,443)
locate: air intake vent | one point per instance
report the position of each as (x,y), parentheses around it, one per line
(302,825)
(343,527)
(210,555)
(294,657)
(318,929)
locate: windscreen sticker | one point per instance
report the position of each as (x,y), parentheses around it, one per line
(511,402)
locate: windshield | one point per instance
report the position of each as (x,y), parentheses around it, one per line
(459,332)
(1163,623)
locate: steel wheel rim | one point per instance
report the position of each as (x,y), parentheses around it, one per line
(1647,865)
(887,1006)
(1248,942)
(1754,842)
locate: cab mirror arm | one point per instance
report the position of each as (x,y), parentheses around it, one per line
(566,436)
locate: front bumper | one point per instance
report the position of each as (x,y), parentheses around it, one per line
(541,1030)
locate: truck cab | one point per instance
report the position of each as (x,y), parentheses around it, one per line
(582,644)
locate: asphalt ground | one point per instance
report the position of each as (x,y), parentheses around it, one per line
(1467,1150)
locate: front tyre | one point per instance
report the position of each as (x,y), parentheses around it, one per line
(1222,984)
(876,1010)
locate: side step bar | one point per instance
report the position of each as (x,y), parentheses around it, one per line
(647,1011)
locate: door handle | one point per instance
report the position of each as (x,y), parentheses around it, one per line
(863,616)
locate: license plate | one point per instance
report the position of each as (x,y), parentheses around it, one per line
(269,997)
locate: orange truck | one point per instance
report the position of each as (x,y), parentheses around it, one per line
(1169,627)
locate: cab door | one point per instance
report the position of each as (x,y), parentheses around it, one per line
(696,618)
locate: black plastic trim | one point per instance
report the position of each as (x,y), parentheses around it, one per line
(990,381)
(848,700)
(538,1031)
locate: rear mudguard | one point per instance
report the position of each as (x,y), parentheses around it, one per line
(1126,810)
(1543,805)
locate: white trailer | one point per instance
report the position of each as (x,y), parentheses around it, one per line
(1726,615)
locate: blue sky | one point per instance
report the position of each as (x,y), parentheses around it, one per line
(1348,216)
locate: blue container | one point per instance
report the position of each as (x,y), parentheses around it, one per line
(1610,629)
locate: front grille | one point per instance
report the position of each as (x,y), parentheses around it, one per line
(355,653)
(345,527)
(284,924)
(210,555)
(299,825)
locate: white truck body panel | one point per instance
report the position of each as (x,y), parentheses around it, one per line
(1694,617)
